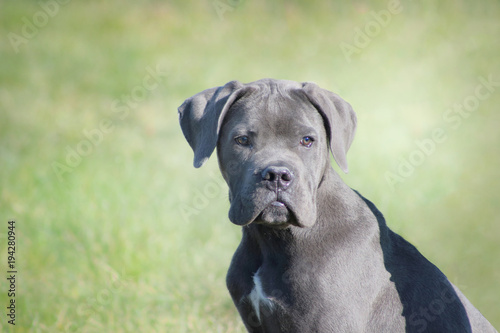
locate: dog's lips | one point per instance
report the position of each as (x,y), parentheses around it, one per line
(276,214)
(274,209)
(278,204)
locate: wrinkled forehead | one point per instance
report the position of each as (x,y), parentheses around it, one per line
(278,113)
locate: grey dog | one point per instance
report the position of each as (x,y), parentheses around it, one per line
(315,255)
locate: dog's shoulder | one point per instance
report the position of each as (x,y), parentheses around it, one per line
(430,301)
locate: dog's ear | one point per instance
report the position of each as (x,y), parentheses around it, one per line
(339,117)
(201,118)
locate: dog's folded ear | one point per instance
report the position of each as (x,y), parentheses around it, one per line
(339,117)
(201,118)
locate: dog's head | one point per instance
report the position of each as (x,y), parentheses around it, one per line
(272,139)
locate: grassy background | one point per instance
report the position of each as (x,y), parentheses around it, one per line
(132,238)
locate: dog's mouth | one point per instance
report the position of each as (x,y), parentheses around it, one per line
(277,209)
(277,214)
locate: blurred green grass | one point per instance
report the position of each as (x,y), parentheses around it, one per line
(110,247)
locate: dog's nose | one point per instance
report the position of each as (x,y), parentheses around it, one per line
(277,178)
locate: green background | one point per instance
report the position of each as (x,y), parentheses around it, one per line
(119,233)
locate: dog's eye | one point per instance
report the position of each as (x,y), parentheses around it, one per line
(242,140)
(307,141)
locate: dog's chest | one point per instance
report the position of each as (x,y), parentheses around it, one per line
(262,304)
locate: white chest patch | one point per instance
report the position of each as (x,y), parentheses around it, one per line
(258,298)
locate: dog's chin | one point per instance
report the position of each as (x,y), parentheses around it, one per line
(276,215)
